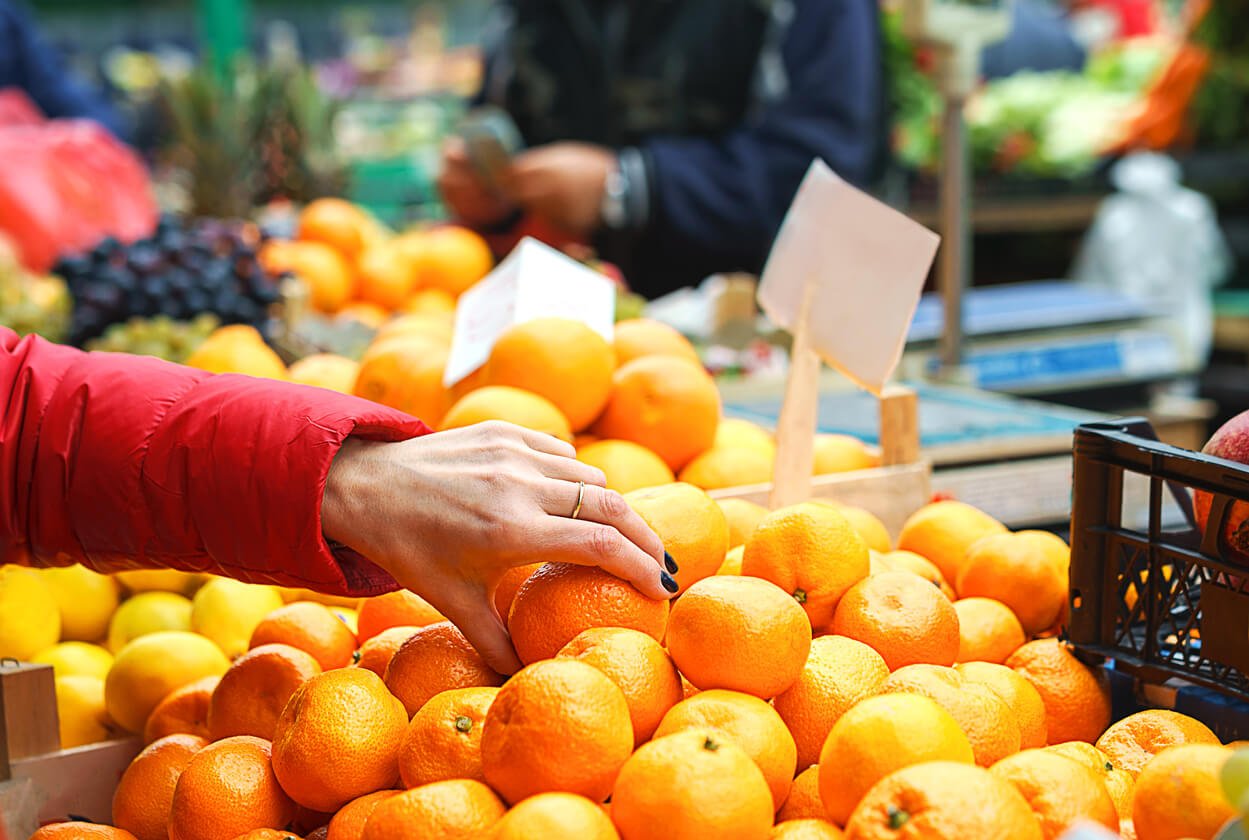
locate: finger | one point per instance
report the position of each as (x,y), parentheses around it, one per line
(607,507)
(455,150)
(566,470)
(483,628)
(591,544)
(548,444)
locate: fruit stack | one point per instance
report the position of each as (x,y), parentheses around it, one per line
(152,287)
(812,679)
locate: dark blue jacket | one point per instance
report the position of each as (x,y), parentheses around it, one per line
(726,103)
(28,62)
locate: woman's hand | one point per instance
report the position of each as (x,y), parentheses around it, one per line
(447,514)
(563,183)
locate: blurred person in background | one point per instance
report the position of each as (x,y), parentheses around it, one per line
(672,136)
(30,64)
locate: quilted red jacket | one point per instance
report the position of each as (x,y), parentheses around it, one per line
(119,462)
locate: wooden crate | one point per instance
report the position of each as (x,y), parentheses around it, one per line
(892,491)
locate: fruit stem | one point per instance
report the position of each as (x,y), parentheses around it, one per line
(463,724)
(897,817)
(710,744)
(800,595)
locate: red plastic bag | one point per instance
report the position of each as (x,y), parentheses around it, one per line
(66,184)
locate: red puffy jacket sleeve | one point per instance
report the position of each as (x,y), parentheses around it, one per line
(121,462)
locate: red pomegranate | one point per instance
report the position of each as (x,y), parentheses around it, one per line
(1230,442)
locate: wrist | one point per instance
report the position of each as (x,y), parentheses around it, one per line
(341,502)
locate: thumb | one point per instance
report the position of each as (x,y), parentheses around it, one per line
(482,627)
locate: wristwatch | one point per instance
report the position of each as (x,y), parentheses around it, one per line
(614,208)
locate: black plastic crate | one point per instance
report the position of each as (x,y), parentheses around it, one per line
(1149,589)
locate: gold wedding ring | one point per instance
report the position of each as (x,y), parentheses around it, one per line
(576,511)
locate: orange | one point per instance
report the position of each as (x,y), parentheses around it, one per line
(349,822)
(325,370)
(1077,697)
(739,633)
(429,302)
(1118,782)
(988,630)
(183,711)
(812,552)
(369,314)
(450,258)
(421,327)
(742,518)
(513,405)
(943,531)
(865,523)
(509,584)
(879,735)
(1178,794)
(1060,791)
(692,527)
(942,800)
(804,797)
(1016,571)
(637,337)
(669,405)
(457,809)
(720,467)
(384,277)
(746,721)
(76,830)
(312,628)
(443,740)
(984,716)
(909,561)
(640,668)
(1132,742)
(690,786)
(1019,694)
(557,358)
(251,695)
(227,789)
(434,659)
(329,276)
(338,738)
(902,617)
(557,725)
(144,795)
(838,673)
(401,608)
(556,816)
(406,375)
(561,600)
(808,829)
(376,653)
(268,834)
(627,465)
(1052,546)
(337,223)
(841,453)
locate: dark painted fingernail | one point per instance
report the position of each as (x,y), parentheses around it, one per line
(669,584)
(670,563)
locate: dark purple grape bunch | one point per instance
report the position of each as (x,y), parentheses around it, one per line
(185,268)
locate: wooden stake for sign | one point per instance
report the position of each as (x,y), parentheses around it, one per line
(795,427)
(899,426)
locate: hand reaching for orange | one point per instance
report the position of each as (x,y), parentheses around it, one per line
(448,514)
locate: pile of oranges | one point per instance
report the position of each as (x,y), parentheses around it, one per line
(822,683)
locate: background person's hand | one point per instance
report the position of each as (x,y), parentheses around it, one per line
(563,183)
(468,199)
(447,514)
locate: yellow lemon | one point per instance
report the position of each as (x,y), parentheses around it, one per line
(290,594)
(736,433)
(148,612)
(80,709)
(227,611)
(841,453)
(150,667)
(76,659)
(349,617)
(29,618)
(732,564)
(743,517)
(86,600)
(628,466)
(163,580)
(866,523)
(721,467)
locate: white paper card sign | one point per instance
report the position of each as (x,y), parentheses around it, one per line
(862,263)
(534,281)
